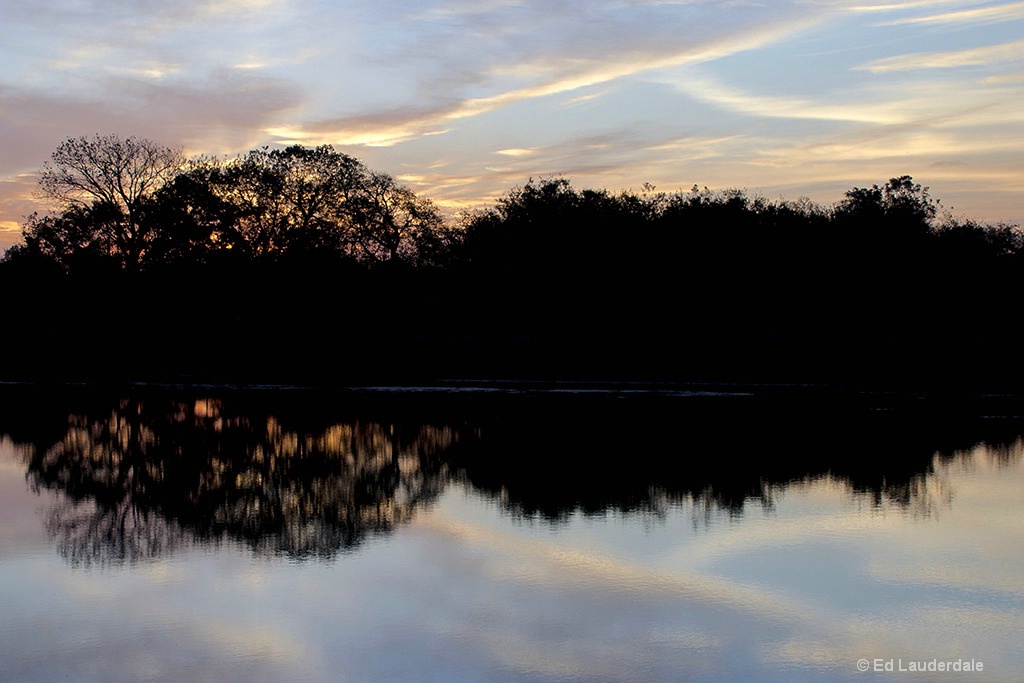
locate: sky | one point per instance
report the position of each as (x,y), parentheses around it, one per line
(462,100)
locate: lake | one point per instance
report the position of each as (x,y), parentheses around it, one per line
(501,532)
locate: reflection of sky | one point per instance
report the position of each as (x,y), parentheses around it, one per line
(799,590)
(786,97)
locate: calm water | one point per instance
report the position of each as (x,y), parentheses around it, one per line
(276,536)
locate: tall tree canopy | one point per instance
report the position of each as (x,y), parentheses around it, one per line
(132,203)
(292,199)
(102,183)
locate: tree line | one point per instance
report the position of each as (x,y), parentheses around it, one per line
(132,204)
(304,261)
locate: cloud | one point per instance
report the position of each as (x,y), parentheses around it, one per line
(996,13)
(449,82)
(382,128)
(898,6)
(221,113)
(17,201)
(516,152)
(899,145)
(990,54)
(399,124)
(138,18)
(1011,78)
(612,160)
(707,89)
(204,114)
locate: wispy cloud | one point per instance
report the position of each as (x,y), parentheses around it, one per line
(990,54)
(691,144)
(587,97)
(733,99)
(1008,79)
(466,97)
(515,152)
(909,4)
(397,125)
(996,13)
(898,145)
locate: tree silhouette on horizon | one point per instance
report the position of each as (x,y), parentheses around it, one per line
(302,262)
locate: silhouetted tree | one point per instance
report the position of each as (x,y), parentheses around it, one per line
(551,281)
(192,219)
(392,224)
(108,178)
(81,237)
(143,205)
(899,210)
(291,199)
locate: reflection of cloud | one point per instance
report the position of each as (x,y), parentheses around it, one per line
(822,629)
(577,612)
(999,573)
(924,552)
(464,590)
(547,563)
(981,478)
(251,643)
(978,632)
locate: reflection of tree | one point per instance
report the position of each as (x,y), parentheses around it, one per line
(148,478)
(88,534)
(289,473)
(649,456)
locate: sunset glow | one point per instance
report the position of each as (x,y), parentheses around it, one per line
(465,100)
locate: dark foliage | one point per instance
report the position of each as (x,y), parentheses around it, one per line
(717,286)
(301,265)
